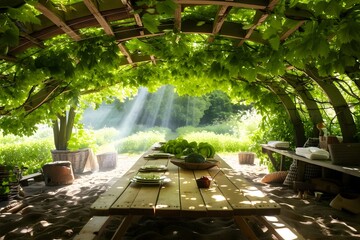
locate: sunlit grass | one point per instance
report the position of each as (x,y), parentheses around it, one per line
(34,151)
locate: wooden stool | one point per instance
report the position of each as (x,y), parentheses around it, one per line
(58,173)
(107,161)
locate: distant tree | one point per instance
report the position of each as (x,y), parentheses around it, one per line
(188,111)
(220,108)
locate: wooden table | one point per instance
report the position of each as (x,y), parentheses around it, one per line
(229,195)
(349,170)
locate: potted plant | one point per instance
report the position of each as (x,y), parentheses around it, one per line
(70,147)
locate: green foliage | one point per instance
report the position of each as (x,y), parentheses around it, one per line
(105,136)
(31,155)
(220,128)
(37,87)
(139,142)
(82,138)
(221,142)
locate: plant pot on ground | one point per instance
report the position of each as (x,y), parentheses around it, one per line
(70,147)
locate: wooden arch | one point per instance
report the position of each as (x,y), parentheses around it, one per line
(107,14)
(308,100)
(342,110)
(293,114)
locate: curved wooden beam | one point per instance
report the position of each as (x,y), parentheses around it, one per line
(293,114)
(290,108)
(342,110)
(308,100)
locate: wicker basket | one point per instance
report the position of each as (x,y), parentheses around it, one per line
(107,161)
(345,154)
(9,182)
(246,158)
(77,158)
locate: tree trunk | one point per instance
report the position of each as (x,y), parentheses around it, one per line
(62,128)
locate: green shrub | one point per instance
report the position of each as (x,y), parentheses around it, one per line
(139,141)
(30,154)
(221,142)
(221,128)
(105,136)
(181,131)
(82,138)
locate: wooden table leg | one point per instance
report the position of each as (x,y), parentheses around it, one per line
(272,159)
(282,161)
(245,228)
(300,170)
(123,227)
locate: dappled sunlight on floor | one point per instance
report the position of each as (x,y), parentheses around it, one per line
(61,211)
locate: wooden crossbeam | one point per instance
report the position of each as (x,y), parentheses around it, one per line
(290,31)
(254,4)
(126,53)
(46,8)
(177,18)
(220,18)
(8,58)
(32,39)
(136,15)
(138,22)
(106,26)
(99,17)
(259,19)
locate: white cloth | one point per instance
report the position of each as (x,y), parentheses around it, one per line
(278,144)
(312,153)
(91,162)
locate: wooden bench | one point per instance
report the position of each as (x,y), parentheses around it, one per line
(24,181)
(93,228)
(327,164)
(279,228)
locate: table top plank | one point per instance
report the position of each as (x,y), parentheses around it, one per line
(103,204)
(192,203)
(239,203)
(168,203)
(258,199)
(215,202)
(145,200)
(123,204)
(111,196)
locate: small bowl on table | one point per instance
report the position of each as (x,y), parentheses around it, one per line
(203,182)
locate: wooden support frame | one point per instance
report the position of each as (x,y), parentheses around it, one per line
(342,110)
(107,28)
(294,116)
(259,19)
(220,18)
(307,98)
(46,8)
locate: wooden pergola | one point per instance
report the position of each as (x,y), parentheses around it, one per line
(114,18)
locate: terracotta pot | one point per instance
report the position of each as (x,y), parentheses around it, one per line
(58,173)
